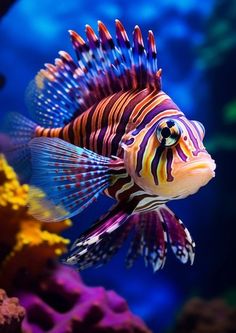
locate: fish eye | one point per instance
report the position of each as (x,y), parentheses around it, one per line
(168,132)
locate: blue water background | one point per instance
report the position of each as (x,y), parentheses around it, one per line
(33,32)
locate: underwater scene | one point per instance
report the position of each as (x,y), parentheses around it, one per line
(117,161)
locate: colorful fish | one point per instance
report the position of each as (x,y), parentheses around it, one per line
(102,124)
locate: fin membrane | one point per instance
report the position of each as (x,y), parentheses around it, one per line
(97,245)
(20,131)
(70,178)
(149,241)
(150,230)
(179,237)
(62,91)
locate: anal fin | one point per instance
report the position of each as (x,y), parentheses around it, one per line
(99,243)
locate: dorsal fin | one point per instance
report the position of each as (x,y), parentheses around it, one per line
(62,91)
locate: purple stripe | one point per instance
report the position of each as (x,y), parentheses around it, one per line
(190,133)
(114,144)
(87,127)
(125,119)
(181,153)
(155,163)
(144,144)
(169,164)
(153,96)
(196,128)
(194,140)
(142,148)
(165,105)
(104,122)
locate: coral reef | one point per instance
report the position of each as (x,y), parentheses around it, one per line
(54,296)
(26,244)
(11,314)
(62,303)
(201,316)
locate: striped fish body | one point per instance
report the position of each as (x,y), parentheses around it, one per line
(103,125)
(116,122)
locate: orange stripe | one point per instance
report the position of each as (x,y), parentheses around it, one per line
(99,109)
(118,115)
(99,115)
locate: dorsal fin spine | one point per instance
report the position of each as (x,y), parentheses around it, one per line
(103,67)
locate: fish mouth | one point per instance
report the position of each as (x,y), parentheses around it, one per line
(194,175)
(202,165)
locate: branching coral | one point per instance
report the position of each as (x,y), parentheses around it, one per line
(11,314)
(26,244)
(63,304)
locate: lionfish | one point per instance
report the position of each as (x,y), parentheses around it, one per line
(103,124)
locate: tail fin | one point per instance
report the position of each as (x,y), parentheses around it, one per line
(20,130)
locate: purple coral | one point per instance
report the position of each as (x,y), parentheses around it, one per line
(61,303)
(11,314)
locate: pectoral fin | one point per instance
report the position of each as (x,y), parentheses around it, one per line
(70,177)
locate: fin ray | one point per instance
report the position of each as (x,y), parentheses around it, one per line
(71,177)
(98,244)
(62,91)
(150,230)
(180,239)
(20,130)
(150,240)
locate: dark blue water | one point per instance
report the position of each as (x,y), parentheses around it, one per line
(33,32)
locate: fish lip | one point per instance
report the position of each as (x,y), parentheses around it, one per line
(202,164)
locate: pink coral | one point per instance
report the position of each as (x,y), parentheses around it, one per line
(11,314)
(61,303)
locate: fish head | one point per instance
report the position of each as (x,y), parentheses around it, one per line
(168,158)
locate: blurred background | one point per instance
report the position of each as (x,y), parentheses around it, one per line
(197,51)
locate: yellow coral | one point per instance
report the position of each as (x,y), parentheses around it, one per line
(25,242)
(11,192)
